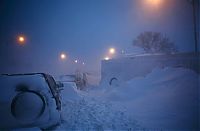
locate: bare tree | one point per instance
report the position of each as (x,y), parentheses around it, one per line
(155,42)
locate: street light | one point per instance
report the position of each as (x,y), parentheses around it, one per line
(112,50)
(106,58)
(153,5)
(21,40)
(63,56)
(76,61)
(154,2)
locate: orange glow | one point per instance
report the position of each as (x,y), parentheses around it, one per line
(112,50)
(154,2)
(63,56)
(21,39)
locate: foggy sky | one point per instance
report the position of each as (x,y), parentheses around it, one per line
(84,30)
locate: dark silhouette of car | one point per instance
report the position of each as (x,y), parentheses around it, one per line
(29,100)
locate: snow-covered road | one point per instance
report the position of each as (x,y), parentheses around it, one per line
(86,112)
(164,99)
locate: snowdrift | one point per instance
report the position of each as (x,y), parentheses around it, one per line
(164,99)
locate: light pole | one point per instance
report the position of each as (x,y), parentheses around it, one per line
(195,23)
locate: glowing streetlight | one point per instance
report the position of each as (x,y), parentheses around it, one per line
(21,40)
(153,5)
(76,61)
(112,50)
(63,56)
(154,2)
(106,58)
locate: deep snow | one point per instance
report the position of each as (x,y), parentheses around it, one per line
(85,112)
(165,99)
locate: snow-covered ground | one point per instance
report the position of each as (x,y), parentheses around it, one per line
(86,112)
(165,99)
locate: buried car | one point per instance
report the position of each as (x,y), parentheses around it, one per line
(29,100)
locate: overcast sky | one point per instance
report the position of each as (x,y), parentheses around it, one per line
(84,30)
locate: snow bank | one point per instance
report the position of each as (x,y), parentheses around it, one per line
(164,99)
(127,68)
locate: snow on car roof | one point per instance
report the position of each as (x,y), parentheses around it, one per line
(8,83)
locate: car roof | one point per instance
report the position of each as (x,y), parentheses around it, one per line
(44,74)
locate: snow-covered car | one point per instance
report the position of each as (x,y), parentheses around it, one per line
(29,100)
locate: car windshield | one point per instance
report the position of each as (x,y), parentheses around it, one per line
(123,64)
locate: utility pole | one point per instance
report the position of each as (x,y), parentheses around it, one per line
(194,5)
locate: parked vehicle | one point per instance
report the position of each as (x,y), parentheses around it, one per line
(29,100)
